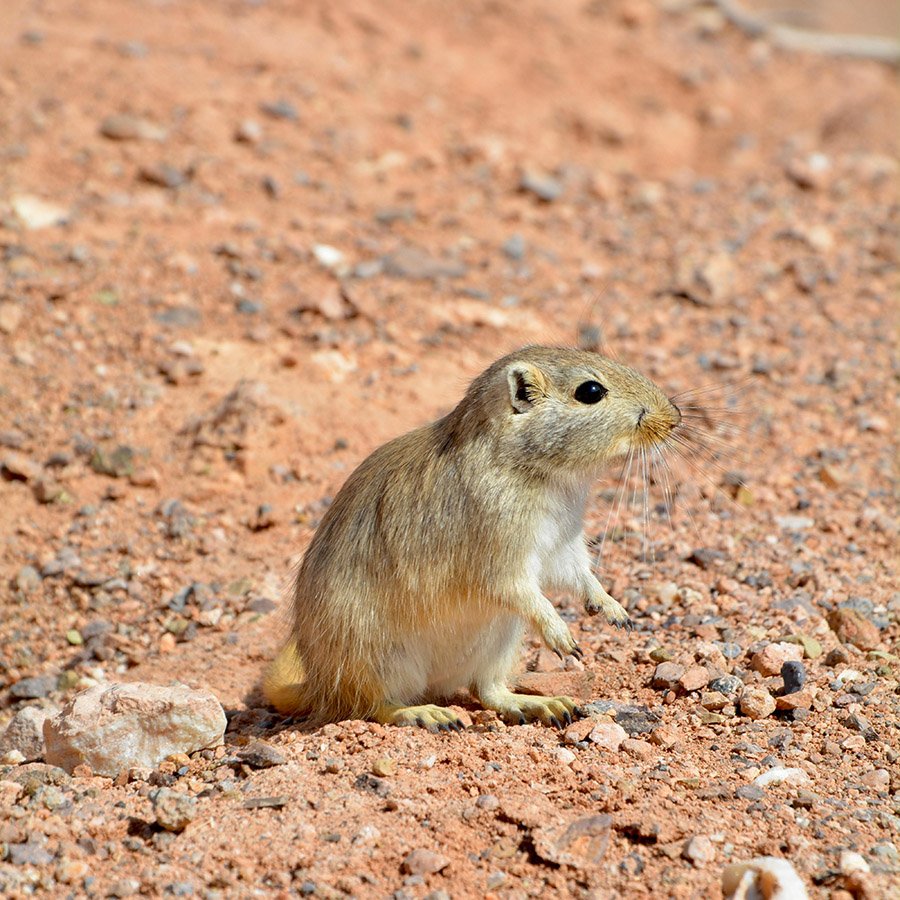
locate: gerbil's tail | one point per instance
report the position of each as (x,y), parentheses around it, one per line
(283,684)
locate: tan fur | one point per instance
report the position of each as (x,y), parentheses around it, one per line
(437,549)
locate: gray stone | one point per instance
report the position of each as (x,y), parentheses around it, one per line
(25,732)
(174,811)
(33,688)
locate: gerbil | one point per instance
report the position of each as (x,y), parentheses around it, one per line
(436,552)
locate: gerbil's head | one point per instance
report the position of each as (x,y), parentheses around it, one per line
(567,412)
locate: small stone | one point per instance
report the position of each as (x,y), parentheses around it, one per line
(544,187)
(162,175)
(33,688)
(328,257)
(608,735)
(837,657)
(174,811)
(812,649)
(793,674)
(771,659)
(667,675)
(877,779)
(765,877)
(564,755)
(705,557)
(578,731)
(35,213)
(514,247)
(25,733)
(248,132)
(384,767)
(695,678)
(801,699)
(114,727)
(713,700)
(415,263)
(280,109)
(812,172)
(794,523)
(125,127)
(757,703)
(638,748)
(852,627)
(661,654)
(781,775)
(10,316)
(487,802)
(698,850)
(260,755)
(29,854)
(28,579)
(15,466)
(424,862)
(124,887)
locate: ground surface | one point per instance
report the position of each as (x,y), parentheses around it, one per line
(716,212)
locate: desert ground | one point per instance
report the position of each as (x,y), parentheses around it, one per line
(244,243)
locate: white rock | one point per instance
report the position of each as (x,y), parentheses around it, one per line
(112,728)
(763,878)
(35,213)
(608,734)
(25,733)
(781,775)
(327,256)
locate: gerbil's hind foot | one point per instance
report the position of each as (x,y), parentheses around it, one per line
(517,709)
(613,610)
(427,716)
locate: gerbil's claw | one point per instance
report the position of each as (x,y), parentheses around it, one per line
(628,625)
(521,718)
(558,652)
(578,653)
(555,723)
(567,716)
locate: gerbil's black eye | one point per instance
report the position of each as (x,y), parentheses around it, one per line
(590,392)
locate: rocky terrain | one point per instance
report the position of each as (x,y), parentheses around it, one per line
(244,243)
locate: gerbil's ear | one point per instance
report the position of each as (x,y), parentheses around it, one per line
(525,386)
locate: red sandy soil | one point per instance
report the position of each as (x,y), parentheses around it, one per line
(727,215)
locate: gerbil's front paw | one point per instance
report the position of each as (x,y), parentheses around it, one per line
(559,639)
(612,609)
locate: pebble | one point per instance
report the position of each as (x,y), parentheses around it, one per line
(125,127)
(665,736)
(384,767)
(729,685)
(114,727)
(29,853)
(608,735)
(877,779)
(667,675)
(260,755)
(28,579)
(757,703)
(174,811)
(514,247)
(793,673)
(794,523)
(852,627)
(781,775)
(698,850)
(11,314)
(33,688)
(638,748)
(695,678)
(424,862)
(417,264)
(772,657)
(795,700)
(280,109)
(544,187)
(248,132)
(25,733)
(35,213)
